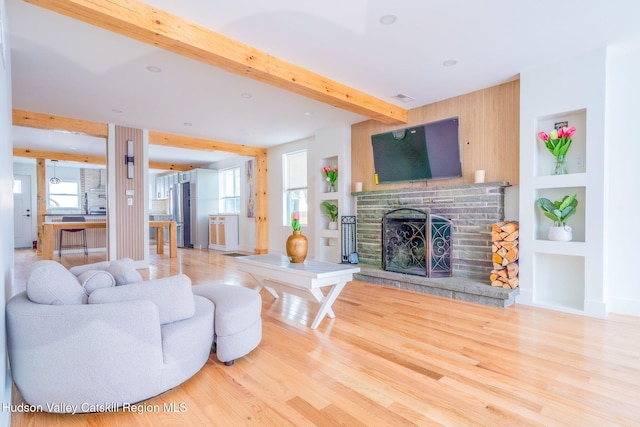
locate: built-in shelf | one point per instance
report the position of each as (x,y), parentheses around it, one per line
(329,240)
(556,274)
(576,222)
(561,282)
(576,157)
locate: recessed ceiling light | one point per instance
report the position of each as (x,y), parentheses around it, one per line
(154,69)
(188,124)
(449,62)
(117,111)
(388,19)
(307,113)
(72,148)
(246,95)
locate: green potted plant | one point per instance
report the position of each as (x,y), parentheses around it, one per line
(559,211)
(331,211)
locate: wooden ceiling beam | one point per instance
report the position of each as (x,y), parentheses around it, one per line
(171,166)
(54,155)
(180,141)
(31,119)
(66,124)
(145,23)
(94,160)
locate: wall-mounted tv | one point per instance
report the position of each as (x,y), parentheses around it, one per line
(429,151)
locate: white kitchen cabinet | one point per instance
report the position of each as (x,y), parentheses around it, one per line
(223,232)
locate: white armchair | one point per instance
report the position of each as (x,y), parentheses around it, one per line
(110,348)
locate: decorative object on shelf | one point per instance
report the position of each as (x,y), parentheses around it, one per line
(331,174)
(297,243)
(561,234)
(559,212)
(560,166)
(331,211)
(558,142)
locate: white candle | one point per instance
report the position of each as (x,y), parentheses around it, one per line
(358,187)
(479,178)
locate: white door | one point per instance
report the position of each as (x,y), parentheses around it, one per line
(22,212)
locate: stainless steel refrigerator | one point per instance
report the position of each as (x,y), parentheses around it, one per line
(181,210)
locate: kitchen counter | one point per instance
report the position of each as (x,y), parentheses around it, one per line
(89,215)
(51,227)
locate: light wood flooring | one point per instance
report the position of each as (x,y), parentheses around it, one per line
(393,358)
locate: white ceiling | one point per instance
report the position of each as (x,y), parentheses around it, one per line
(65,67)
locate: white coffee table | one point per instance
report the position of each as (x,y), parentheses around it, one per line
(275,272)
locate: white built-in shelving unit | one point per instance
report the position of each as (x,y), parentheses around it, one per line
(559,279)
(332,148)
(564,276)
(329,240)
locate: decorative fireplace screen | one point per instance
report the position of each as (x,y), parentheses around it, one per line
(415,242)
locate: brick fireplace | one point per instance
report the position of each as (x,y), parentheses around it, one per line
(472,208)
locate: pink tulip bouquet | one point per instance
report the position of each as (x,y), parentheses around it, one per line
(331,174)
(558,141)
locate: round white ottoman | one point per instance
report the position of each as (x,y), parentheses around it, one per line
(237,323)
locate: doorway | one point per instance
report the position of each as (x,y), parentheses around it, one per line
(22,212)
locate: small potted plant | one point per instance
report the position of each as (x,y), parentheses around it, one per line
(559,211)
(331,211)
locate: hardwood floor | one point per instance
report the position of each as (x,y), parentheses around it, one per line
(395,358)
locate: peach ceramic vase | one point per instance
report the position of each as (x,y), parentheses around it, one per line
(297,246)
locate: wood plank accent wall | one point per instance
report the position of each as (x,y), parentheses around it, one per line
(489,137)
(129,219)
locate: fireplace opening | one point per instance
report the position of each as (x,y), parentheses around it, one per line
(416,242)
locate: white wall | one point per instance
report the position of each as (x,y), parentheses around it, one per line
(622,201)
(330,141)
(278,232)
(6,206)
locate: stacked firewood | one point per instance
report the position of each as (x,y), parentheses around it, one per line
(504,248)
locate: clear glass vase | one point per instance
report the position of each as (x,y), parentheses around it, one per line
(560,166)
(331,187)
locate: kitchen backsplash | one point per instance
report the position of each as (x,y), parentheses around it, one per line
(159,207)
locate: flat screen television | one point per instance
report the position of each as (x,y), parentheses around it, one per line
(429,151)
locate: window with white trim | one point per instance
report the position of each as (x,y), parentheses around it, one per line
(229,181)
(294,169)
(64,195)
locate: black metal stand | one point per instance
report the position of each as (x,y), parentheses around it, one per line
(349,248)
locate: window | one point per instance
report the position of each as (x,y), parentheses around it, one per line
(295,186)
(229,190)
(64,194)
